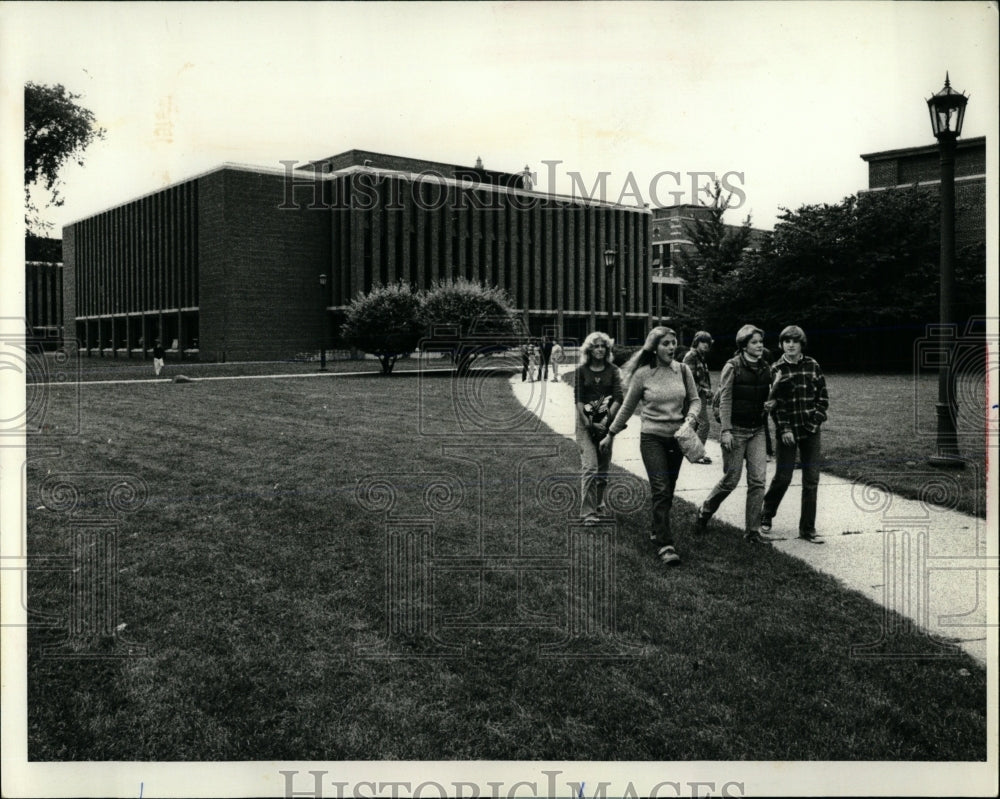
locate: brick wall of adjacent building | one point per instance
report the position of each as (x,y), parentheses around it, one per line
(921,166)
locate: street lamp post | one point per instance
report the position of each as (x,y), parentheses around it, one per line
(621,319)
(610,256)
(947,110)
(322,342)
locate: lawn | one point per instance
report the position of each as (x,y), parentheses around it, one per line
(882,428)
(271,616)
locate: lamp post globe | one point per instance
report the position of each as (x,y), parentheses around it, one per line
(610,258)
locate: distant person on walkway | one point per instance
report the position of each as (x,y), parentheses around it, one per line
(694,359)
(534,369)
(546,356)
(800,406)
(158,356)
(669,395)
(525,360)
(598,396)
(743,392)
(557,356)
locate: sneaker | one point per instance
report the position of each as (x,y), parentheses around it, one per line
(765,524)
(755,538)
(669,555)
(810,536)
(705,460)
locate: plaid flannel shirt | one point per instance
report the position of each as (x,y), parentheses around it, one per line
(801,397)
(702,377)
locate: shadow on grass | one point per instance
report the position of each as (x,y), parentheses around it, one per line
(259,575)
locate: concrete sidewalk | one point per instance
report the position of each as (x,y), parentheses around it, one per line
(929,564)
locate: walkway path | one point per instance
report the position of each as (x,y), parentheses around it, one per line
(929,564)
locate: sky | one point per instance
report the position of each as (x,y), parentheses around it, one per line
(782,97)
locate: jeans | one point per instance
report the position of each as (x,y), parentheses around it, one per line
(748,445)
(662,458)
(704,425)
(593,472)
(809,454)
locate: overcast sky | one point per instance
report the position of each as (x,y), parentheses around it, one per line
(787,94)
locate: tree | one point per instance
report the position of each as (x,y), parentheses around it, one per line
(56,130)
(469,320)
(718,250)
(861,276)
(387,322)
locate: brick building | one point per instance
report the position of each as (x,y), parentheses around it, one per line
(921,166)
(670,237)
(227,265)
(43,286)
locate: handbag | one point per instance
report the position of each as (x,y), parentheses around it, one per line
(597,413)
(688,441)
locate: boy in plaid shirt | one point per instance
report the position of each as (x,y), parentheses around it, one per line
(800,405)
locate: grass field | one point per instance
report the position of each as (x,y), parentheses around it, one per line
(883,428)
(254,572)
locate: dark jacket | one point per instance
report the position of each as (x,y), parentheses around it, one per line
(744,387)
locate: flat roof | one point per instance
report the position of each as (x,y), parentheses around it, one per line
(925,149)
(304,173)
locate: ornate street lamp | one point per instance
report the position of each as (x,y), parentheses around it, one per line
(610,256)
(947,110)
(322,343)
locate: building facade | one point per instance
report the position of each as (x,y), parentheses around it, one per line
(43,287)
(245,263)
(670,240)
(921,166)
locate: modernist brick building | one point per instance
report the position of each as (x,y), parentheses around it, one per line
(921,166)
(227,264)
(43,288)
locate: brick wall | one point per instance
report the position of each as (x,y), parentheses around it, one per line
(259,269)
(69,283)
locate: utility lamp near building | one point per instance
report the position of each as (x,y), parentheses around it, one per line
(610,261)
(947,110)
(322,341)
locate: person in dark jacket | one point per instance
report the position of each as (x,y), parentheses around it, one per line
(694,359)
(800,406)
(744,389)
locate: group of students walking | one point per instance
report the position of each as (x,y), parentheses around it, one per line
(792,391)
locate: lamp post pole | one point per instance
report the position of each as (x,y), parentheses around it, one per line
(610,255)
(322,341)
(621,319)
(947,110)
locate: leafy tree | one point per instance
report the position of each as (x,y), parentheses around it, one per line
(56,130)
(469,320)
(387,322)
(718,251)
(861,275)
